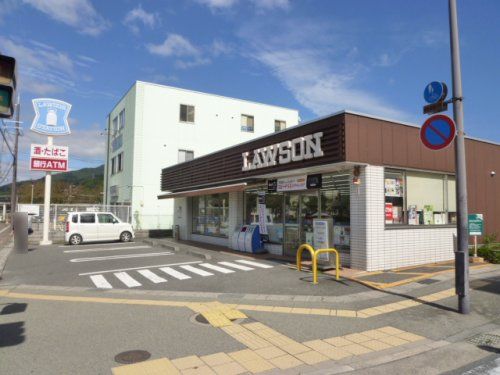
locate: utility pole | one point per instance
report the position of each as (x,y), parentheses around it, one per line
(462,251)
(13,192)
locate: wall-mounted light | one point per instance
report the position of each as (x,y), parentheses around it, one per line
(493,173)
(356,173)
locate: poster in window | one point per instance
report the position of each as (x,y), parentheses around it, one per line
(412,215)
(262,213)
(393,187)
(428,215)
(388,213)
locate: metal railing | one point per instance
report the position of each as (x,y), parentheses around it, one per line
(314,257)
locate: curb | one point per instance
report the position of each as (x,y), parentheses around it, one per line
(173,246)
(4,254)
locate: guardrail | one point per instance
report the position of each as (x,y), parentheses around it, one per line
(314,256)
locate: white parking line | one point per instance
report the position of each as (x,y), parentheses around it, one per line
(152,276)
(146,255)
(4,229)
(124,244)
(137,268)
(197,271)
(107,249)
(100,282)
(216,268)
(250,263)
(237,266)
(178,275)
(127,279)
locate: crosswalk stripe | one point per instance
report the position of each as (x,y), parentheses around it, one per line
(237,266)
(197,271)
(174,273)
(250,263)
(216,268)
(152,276)
(127,279)
(100,282)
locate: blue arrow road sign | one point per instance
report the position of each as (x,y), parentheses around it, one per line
(435,91)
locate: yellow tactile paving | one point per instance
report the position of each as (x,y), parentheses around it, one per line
(338,341)
(312,357)
(216,359)
(376,345)
(160,366)
(356,349)
(285,362)
(357,337)
(220,315)
(185,363)
(393,340)
(231,368)
(270,352)
(202,370)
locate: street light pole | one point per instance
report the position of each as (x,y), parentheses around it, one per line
(462,251)
(13,192)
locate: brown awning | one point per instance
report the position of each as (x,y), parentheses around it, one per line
(205,191)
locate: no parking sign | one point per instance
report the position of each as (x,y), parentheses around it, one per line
(438,132)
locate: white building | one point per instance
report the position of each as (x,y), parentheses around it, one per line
(155,126)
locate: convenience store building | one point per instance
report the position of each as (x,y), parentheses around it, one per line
(392,200)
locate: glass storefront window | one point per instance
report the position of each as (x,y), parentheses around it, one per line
(394,197)
(274,214)
(419,198)
(210,215)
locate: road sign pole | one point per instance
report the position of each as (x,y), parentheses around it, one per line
(13,192)
(462,255)
(46,204)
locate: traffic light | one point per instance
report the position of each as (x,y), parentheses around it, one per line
(7,85)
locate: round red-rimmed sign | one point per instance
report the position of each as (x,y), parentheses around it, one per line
(437,132)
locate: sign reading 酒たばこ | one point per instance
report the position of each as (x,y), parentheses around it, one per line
(50,158)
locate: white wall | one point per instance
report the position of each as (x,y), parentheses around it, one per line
(159,135)
(373,247)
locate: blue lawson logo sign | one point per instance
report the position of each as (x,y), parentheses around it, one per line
(51,117)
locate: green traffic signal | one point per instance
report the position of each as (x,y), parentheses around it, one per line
(7,85)
(5,99)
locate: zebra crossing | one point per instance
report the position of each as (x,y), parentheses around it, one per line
(136,277)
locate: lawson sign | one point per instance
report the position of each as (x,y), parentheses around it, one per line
(51,117)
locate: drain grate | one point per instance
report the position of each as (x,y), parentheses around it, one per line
(132,356)
(200,319)
(485,339)
(427,281)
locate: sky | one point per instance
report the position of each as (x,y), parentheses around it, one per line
(318,56)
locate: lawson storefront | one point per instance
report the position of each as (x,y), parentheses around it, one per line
(390,201)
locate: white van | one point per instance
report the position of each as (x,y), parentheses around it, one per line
(96,226)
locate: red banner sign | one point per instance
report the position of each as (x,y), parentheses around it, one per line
(54,165)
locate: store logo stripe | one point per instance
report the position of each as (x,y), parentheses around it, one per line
(197,271)
(216,268)
(237,266)
(250,263)
(176,274)
(152,276)
(127,279)
(101,282)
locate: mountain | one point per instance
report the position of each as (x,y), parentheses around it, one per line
(80,186)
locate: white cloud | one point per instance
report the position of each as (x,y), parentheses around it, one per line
(272,4)
(138,15)
(321,77)
(174,45)
(220,47)
(218,4)
(45,70)
(79,14)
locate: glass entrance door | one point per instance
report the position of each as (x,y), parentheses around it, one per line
(300,210)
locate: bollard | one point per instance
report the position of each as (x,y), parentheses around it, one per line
(20,226)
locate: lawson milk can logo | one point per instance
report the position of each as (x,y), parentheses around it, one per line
(51,117)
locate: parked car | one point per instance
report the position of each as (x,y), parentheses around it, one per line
(96,226)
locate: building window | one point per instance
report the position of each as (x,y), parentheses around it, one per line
(115,127)
(186,113)
(185,155)
(279,125)
(247,123)
(419,198)
(113,166)
(120,162)
(210,215)
(274,214)
(121,120)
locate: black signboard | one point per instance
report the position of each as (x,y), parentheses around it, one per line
(272,186)
(314,181)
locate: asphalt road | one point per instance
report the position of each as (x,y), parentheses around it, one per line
(137,265)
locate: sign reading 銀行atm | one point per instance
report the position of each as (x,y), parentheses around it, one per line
(297,149)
